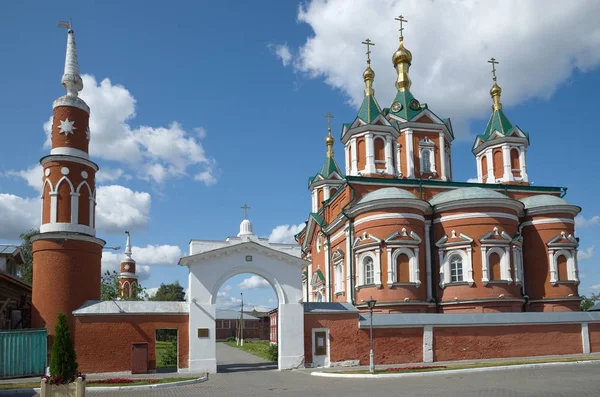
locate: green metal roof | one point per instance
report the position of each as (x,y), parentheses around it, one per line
(465,193)
(498,122)
(369,110)
(404,97)
(386,193)
(329,167)
(542,200)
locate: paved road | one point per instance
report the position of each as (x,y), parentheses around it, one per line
(231,359)
(579,380)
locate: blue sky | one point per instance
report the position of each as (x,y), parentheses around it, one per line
(200,107)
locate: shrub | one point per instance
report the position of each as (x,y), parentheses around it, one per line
(230,339)
(272,352)
(63,361)
(170,355)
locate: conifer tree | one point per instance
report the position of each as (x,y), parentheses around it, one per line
(63,361)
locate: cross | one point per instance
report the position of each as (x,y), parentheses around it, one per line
(245,208)
(494,63)
(329,117)
(401,19)
(368,43)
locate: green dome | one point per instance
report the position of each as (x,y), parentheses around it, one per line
(542,200)
(387,193)
(466,193)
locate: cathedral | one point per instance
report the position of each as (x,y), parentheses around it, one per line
(395,227)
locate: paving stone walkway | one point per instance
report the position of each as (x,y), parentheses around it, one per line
(231,359)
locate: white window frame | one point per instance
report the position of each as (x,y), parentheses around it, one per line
(368,267)
(499,244)
(463,247)
(566,245)
(429,145)
(413,261)
(339,276)
(462,268)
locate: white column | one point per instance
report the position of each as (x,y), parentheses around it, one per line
(516,265)
(443,157)
(485,278)
(315,206)
(290,323)
(428,344)
(585,338)
(326,192)
(389,161)
(398,159)
(378,267)
(53,206)
(391,268)
(470,265)
(523,163)
(443,276)
(508,176)
(575,271)
(42,209)
(416,272)
(353,151)
(74,208)
(327,273)
(308,280)
(347,154)
(479,170)
(370,158)
(491,178)
(428,261)
(91,211)
(506,260)
(349,256)
(410,156)
(553,270)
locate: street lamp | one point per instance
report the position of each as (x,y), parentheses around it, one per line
(371,304)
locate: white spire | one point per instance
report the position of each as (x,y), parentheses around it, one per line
(245,229)
(71,79)
(128,257)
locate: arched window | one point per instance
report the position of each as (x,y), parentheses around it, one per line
(484,168)
(456,269)
(339,278)
(369,277)
(495,268)
(361,154)
(514,162)
(498,163)
(561,265)
(403,268)
(425,153)
(379,149)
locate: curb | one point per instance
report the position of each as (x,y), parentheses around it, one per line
(449,371)
(116,388)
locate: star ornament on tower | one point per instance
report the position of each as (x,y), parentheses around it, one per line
(67,127)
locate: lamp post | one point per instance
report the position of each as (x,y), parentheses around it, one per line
(371,304)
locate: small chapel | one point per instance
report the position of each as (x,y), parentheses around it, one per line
(392,245)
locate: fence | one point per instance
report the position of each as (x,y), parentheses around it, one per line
(23,352)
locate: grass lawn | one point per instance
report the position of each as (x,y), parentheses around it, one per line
(91,383)
(472,365)
(259,348)
(161,348)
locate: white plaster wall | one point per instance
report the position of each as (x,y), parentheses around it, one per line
(206,277)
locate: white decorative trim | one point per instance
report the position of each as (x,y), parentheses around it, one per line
(585,338)
(572,270)
(413,263)
(428,261)
(50,235)
(360,268)
(69,151)
(548,220)
(427,344)
(389,216)
(327,359)
(427,144)
(67,227)
(74,159)
(447,218)
(70,100)
(410,156)
(465,252)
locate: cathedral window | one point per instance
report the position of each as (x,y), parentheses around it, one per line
(403,268)
(427,156)
(456,269)
(484,169)
(563,273)
(339,277)
(368,271)
(379,150)
(426,161)
(514,162)
(495,267)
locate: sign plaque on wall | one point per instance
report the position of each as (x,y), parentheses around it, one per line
(202,332)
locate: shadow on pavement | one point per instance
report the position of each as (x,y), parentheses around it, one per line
(231,368)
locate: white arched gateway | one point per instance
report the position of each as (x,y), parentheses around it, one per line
(211,263)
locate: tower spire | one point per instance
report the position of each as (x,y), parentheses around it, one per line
(128,246)
(71,79)
(329,140)
(495,91)
(402,59)
(369,74)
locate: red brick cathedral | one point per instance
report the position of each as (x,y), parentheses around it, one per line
(398,229)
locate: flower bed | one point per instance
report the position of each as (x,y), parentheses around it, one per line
(59,380)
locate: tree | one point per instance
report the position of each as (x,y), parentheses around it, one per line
(587,303)
(63,360)
(110,288)
(25,270)
(169,292)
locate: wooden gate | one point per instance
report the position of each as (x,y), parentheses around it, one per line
(139,358)
(23,352)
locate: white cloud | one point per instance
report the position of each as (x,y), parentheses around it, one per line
(155,153)
(207,177)
(150,292)
(157,254)
(227,288)
(285,233)
(254,282)
(450,43)
(32,175)
(110,175)
(282,52)
(595,287)
(18,215)
(120,208)
(585,254)
(580,221)
(472,180)
(228,302)
(112,261)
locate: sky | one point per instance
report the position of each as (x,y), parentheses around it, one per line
(200,107)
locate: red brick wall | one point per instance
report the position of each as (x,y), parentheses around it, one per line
(466,343)
(594,330)
(103,343)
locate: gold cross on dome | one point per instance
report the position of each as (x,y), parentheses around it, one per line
(329,117)
(245,208)
(368,43)
(401,19)
(494,63)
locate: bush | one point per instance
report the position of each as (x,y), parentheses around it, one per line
(63,361)
(272,352)
(230,339)
(170,355)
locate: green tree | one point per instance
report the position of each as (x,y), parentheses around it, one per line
(587,303)
(110,288)
(169,292)
(63,360)
(25,270)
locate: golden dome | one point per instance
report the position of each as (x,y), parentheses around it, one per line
(369,74)
(495,90)
(329,140)
(402,55)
